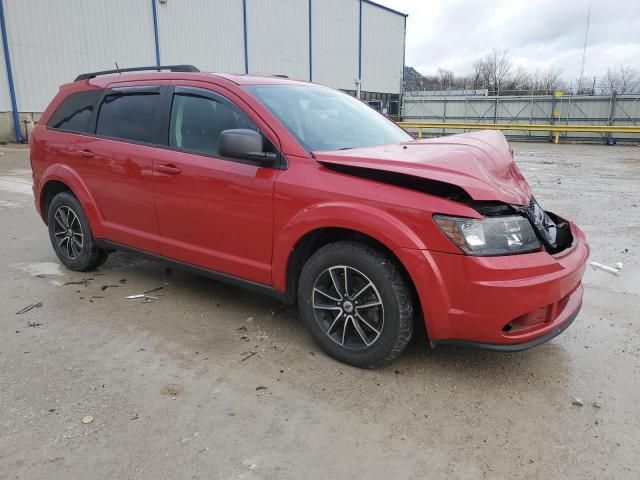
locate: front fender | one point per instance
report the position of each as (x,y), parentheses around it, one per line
(365,219)
(68,176)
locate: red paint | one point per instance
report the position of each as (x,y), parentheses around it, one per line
(473,298)
(245,220)
(479,162)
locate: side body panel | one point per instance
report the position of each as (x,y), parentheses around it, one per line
(216,213)
(309,196)
(119,176)
(112,179)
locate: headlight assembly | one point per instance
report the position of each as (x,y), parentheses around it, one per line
(489,236)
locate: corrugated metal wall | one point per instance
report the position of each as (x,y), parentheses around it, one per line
(382,49)
(51,42)
(205,33)
(334,42)
(278,37)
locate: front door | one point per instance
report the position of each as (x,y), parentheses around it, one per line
(212,212)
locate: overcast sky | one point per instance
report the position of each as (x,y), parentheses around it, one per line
(537,33)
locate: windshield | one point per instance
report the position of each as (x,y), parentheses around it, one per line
(324,119)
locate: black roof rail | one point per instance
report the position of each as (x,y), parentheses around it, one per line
(171,68)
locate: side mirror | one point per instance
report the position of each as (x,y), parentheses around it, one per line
(243,143)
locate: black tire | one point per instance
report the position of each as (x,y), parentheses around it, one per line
(320,303)
(73,243)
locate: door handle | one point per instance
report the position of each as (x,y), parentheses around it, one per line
(85,153)
(168,169)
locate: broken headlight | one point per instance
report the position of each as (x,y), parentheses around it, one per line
(489,236)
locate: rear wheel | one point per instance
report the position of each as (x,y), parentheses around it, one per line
(71,235)
(356,304)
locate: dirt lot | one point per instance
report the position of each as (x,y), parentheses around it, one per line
(175,392)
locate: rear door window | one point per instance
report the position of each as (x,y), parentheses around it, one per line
(74,113)
(129,115)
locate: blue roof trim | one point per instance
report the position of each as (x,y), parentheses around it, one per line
(12,90)
(386,8)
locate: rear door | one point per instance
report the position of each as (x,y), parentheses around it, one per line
(118,162)
(212,211)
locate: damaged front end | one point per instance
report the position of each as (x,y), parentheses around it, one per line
(474,169)
(552,230)
(507,229)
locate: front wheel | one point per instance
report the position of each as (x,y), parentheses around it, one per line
(71,235)
(356,303)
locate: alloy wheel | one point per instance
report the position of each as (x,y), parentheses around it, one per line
(68,232)
(348,307)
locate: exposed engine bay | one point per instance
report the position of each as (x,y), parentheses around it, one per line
(552,231)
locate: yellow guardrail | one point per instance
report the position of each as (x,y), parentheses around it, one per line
(555,128)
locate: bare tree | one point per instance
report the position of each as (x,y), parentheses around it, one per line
(545,81)
(494,71)
(610,80)
(497,73)
(474,79)
(446,78)
(621,80)
(499,67)
(628,79)
(480,76)
(518,80)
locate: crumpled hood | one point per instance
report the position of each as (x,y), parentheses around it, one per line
(480,163)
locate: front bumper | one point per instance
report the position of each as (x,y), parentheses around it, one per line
(518,347)
(503,303)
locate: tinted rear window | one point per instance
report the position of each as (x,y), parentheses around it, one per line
(129,116)
(74,112)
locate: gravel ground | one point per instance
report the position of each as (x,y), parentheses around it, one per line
(175,392)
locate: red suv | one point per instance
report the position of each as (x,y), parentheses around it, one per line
(307,194)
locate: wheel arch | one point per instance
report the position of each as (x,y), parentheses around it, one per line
(315,239)
(61,178)
(50,190)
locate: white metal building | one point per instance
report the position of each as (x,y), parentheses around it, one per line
(338,43)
